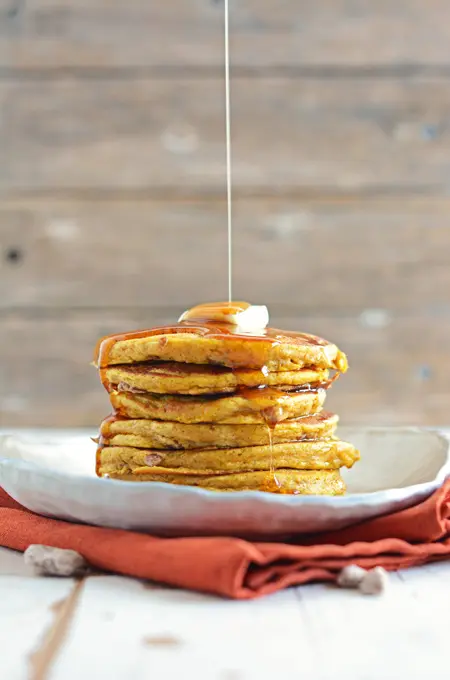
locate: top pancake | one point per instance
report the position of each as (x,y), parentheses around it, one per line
(215,343)
(177,378)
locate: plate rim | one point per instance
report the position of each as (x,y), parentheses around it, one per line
(368,498)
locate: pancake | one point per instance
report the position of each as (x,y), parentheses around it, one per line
(305,482)
(176,378)
(159,434)
(244,406)
(321,454)
(216,343)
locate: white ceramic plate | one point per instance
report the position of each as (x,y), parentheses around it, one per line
(55,477)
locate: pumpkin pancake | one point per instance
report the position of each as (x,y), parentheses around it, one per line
(321,454)
(163,434)
(176,378)
(222,402)
(245,406)
(305,482)
(223,344)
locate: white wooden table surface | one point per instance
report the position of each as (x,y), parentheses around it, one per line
(115,628)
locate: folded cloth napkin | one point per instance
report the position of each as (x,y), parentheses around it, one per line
(242,569)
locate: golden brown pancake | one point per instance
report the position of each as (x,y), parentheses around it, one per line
(321,454)
(164,434)
(176,378)
(223,402)
(305,482)
(245,406)
(216,343)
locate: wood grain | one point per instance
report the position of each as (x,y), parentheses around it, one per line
(398,366)
(28,605)
(313,257)
(289,135)
(105,34)
(411,602)
(169,630)
(112,187)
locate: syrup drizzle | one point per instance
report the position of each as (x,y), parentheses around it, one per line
(269,423)
(228,143)
(272,415)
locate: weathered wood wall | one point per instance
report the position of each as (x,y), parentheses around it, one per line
(112,193)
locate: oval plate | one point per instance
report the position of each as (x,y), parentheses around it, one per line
(54,476)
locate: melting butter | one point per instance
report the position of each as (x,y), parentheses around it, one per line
(241,314)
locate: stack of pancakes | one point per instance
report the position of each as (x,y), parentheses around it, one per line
(208,403)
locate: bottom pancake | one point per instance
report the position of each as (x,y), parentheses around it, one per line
(301,482)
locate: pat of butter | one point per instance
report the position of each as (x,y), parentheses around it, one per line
(241,314)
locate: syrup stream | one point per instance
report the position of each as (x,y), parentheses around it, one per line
(228,144)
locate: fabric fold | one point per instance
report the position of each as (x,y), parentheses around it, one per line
(237,568)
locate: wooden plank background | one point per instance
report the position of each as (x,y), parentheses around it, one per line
(112,191)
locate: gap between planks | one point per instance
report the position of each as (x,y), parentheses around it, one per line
(192,194)
(167,72)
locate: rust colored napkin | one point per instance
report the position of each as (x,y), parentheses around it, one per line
(241,569)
